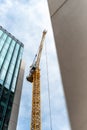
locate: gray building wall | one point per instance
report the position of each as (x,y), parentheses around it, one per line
(16,102)
(69,21)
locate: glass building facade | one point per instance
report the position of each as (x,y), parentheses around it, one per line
(11,51)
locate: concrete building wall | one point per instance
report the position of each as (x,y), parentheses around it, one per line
(69,21)
(16,102)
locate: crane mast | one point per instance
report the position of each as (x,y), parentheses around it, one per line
(34,78)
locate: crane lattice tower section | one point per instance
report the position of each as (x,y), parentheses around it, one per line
(36,110)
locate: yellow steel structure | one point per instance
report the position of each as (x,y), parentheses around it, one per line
(34,77)
(36,116)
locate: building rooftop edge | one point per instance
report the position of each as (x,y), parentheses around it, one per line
(12,36)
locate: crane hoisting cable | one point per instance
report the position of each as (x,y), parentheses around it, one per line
(34,77)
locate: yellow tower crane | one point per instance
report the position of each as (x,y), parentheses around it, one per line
(34,77)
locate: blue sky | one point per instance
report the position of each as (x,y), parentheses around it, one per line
(26,19)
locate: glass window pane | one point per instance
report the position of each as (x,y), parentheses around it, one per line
(4,37)
(16,70)
(8,40)
(1,33)
(13,43)
(3,52)
(6,46)
(11,49)
(8,79)
(1,44)
(15,54)
(6,85)
(1,81)
(21,51)
(6,63)
(11,69)
(17,65)
(7,43)
(8,57)
(17,46)
(13,60)
(2,40)
(13,84)
(2,74)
